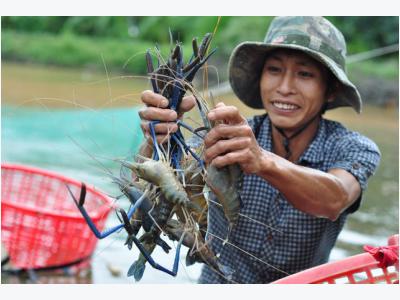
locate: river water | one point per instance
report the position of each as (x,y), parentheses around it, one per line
(70,120)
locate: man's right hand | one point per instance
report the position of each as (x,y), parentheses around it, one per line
(156,110)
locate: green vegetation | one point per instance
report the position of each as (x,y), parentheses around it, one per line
(381,68)
(366,33)
(231,29)
(72,50)
(81,41)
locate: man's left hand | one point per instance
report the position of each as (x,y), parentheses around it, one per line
(232,140)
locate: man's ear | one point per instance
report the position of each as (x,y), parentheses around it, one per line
(331,97)
(332,91)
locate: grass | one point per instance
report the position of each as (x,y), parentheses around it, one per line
(78,51)
(74,51)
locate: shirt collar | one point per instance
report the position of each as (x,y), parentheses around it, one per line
(313,154)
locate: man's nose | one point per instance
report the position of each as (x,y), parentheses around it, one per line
(286,85)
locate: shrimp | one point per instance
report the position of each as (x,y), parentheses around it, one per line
(162,175)
(194,188)
(223,182)
(137,268)
(202,253)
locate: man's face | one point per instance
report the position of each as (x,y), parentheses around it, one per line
(293,88)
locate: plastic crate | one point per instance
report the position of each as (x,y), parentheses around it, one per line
(40,223)
(357,269)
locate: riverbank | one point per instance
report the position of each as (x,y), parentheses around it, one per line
(70,50)
(54,87)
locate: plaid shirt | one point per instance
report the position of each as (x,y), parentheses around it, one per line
(295,240)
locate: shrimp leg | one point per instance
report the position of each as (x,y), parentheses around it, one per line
(89,221)
(147,256)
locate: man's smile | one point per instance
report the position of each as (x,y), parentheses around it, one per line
(282,105)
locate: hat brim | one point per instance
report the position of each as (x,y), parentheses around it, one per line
(247,62)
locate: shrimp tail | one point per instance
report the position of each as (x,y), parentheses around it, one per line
(136,270)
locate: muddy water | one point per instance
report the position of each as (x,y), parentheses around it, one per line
(70,121)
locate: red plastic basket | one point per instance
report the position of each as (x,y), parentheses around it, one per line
(40,224)
(357,269)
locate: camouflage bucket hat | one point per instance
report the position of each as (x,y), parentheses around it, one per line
(315,36)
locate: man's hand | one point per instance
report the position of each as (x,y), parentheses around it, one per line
(232,140)
(156,109)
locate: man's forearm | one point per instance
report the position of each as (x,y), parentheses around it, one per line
(312,191)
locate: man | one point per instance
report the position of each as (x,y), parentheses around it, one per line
(304,174)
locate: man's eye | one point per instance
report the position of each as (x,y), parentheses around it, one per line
(273,69)
(306,74)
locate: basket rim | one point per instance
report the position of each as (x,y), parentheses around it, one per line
(332,269)
(335,269)
(30,169)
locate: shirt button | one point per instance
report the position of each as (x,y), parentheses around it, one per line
(270,237)
(355,166)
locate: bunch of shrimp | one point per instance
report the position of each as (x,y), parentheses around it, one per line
(176,177)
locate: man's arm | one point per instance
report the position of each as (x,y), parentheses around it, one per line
(312,191)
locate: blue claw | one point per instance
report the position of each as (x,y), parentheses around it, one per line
(89,221)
